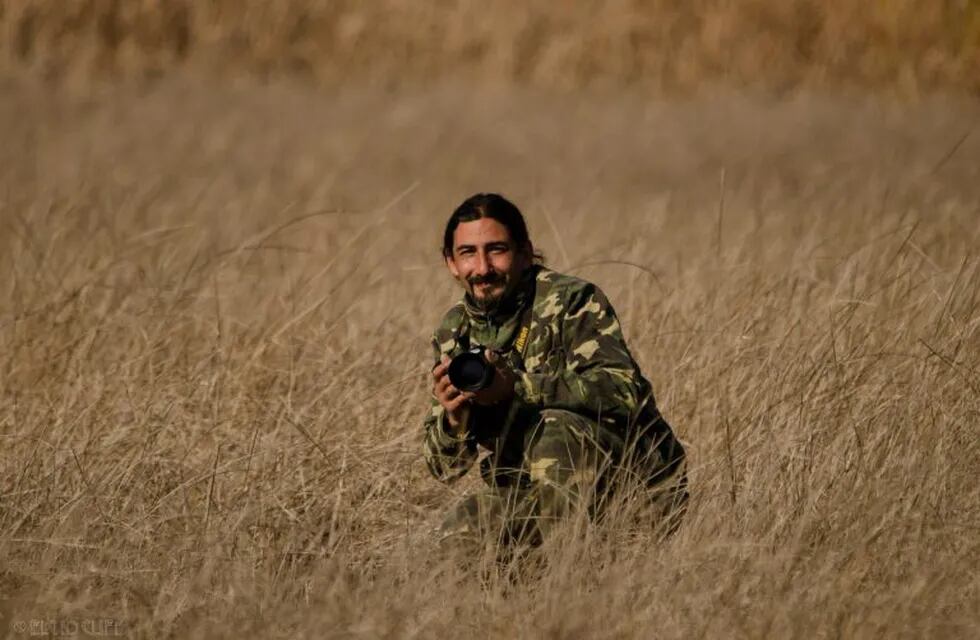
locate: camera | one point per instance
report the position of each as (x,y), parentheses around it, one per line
(470,371)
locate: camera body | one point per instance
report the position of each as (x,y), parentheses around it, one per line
(470,370)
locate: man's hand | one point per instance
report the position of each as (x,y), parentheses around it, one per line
(501,388)
(455,402)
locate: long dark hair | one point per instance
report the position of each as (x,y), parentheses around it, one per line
(497,207)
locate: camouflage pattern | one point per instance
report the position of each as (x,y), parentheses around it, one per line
(581,407)
(566,459)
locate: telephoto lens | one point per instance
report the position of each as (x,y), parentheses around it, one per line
(470,371)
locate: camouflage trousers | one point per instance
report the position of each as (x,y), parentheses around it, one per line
(566,463)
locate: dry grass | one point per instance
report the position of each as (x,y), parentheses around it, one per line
(214,313)
(902,45)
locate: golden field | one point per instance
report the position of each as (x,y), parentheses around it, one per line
(219,270)
(214,320)
(902,46)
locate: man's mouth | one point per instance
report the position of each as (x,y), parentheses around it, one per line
(486,283)
(486,290)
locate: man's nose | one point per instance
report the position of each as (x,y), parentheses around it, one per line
(482,264)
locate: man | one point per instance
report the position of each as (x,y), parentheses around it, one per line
(567,413)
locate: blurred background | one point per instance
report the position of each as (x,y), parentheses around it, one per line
(902,46)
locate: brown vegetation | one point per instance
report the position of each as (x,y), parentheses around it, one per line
(904,45)
(214,314)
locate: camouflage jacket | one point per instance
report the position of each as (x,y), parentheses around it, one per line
(575,358)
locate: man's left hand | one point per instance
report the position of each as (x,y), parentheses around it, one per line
(501,388)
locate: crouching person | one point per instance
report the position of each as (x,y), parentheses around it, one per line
(531,365)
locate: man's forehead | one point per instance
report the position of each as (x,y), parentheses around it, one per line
(481,231)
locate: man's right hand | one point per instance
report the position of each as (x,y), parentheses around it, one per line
(455,402)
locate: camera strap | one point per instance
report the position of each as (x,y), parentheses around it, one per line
(519,344)
(524,328)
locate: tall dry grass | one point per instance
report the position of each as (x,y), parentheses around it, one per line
(902,45)
(213,320)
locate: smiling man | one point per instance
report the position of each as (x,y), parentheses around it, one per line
(566,414)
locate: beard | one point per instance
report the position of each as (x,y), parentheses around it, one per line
(490,299)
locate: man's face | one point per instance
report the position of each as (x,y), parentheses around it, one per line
(486,262)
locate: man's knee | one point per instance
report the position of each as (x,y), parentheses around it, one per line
(562,442)
(484,517)
(564,464)
(473,515)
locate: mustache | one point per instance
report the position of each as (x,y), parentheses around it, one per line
(495,278)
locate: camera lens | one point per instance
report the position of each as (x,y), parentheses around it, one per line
(470,372)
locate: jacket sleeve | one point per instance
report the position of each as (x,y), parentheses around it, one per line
(447,456)
(600,378)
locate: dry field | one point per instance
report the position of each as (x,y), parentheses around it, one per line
(214,315)
(903,46)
